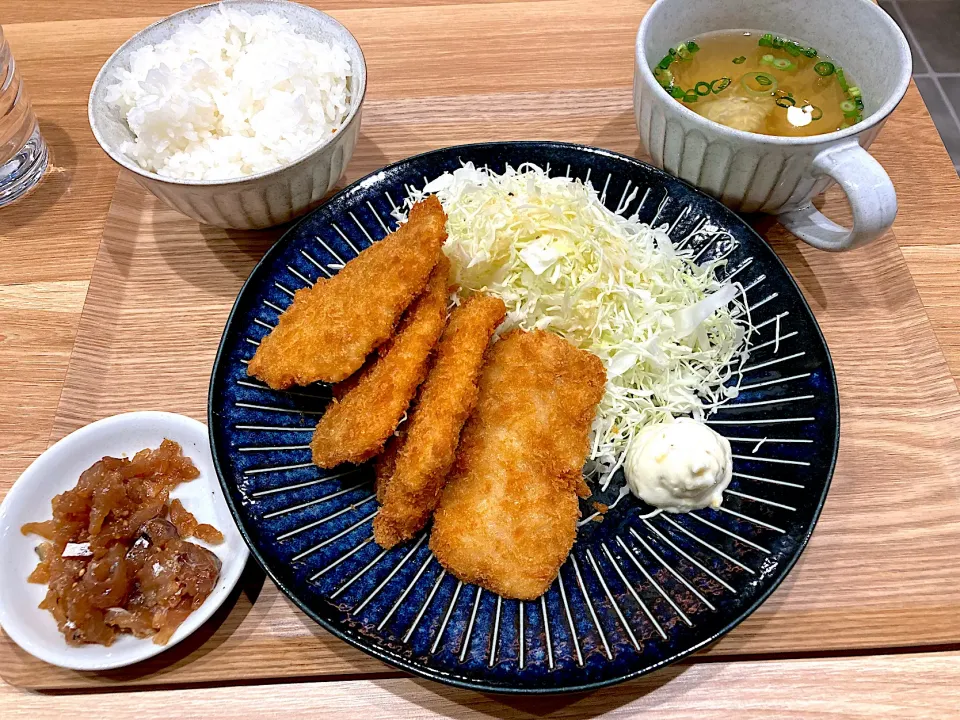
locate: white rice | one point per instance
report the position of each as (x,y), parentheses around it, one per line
(232,95)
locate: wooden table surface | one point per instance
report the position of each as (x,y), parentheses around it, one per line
(49,242)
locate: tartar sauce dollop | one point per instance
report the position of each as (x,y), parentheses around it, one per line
(678,466)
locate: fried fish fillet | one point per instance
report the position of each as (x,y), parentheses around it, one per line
(508,515)
(355,427)
(340,389)
(411,477)
(386,463)
(328,331)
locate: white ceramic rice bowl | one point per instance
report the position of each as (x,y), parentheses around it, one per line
(254,201)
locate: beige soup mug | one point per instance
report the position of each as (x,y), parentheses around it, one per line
(750,172)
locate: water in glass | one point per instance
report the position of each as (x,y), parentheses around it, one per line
(23,154)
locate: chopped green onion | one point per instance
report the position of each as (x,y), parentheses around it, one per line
(762,83)
(845,124)
(676,92)
(690,96)
(849,108)
(692,46)
(824,69)
(842,80)
(785,102)
(778,42)
(854,91)
(718,86)
(702,88)
(767,59)
(810,52)
(816,113)
(739,60)
(766,40)
(858,102)
(682,51)
(672,52)
(664,77)
(783,64)
(665,63)
(792,48)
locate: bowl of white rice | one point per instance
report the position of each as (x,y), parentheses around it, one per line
(240,114)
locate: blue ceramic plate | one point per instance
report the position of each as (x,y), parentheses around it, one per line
(635,593)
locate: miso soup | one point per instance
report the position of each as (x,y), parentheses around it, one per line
(761,82)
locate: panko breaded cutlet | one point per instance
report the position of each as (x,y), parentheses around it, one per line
(355,427)
(508,514)
(328,331)
(411,476)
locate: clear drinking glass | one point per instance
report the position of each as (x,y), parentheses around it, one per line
(23,153)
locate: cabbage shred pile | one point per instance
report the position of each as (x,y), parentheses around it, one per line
(664,326)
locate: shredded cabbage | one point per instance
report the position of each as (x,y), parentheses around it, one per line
(666,329)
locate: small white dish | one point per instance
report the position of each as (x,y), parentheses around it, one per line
(57,470)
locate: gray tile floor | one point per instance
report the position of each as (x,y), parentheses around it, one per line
(933,29)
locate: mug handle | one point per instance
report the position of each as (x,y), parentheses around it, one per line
(869,190)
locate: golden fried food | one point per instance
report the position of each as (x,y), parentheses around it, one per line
(508,515)
(340,389)
(385,464)
(355,427)
(411,478)
(328,331)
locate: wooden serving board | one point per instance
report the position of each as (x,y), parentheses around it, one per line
(871,577)
(876,573)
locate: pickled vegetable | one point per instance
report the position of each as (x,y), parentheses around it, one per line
(115,559)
